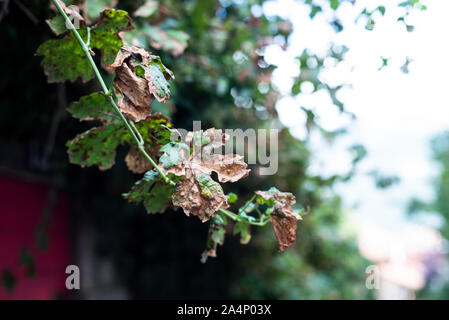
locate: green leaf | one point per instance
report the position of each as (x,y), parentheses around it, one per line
(335,4)
(42,239)
(243,229)
(219,220)
(65,60)
(147,9)
(410,28)
(105,34)
(152,191)
(208,186)
(157,126)
(9,280)
(95,106)
(94,7)
(97,146)
(215,236)
(381,9)
(57,24)
(218,235)
(27,260)
(155,73)
(232,197)
(269,202)
(173,41)
(174,152)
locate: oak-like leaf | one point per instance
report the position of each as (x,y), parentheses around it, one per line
(98,145)
(152,191)
(95,106)
(65,60)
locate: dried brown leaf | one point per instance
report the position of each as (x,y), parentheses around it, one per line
(136,99)
(199,195)
(285,229)
(283,218)
(136,161)
(139,91)
(229,167)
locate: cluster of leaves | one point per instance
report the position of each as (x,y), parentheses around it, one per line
(183,177)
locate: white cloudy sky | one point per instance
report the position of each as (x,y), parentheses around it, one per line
(397,114)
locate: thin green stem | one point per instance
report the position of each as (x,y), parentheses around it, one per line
(236,217)
(247,203)
(136,131)
(107,92)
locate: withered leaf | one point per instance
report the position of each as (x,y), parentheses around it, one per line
(197,192)
(140,78)
(211,139)
(229,167)
(283,217)
(215,237)
(199,195)
(136,161)
(285,229)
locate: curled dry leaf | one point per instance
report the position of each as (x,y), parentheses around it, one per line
(197,192)
(285,229)
(199,195)
(140,78)
(283,218)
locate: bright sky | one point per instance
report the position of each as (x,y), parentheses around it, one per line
(397,114)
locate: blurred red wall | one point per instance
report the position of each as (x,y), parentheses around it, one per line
(21,207)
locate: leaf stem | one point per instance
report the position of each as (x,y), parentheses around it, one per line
(236,217)
(107,92)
